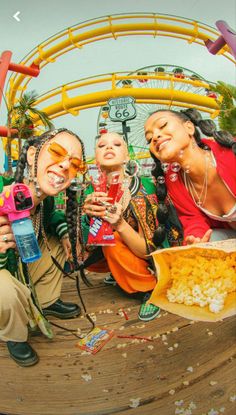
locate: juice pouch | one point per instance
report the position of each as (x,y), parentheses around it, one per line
(100,231)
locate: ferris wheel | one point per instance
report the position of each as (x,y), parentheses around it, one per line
(154,77)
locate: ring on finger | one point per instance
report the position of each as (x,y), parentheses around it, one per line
(5,238)
(113,209)
(106,216)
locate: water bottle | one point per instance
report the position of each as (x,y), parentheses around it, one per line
(26,241)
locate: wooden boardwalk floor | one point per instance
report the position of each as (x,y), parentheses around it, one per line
(186,369)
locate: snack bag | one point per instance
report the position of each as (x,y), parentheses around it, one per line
(197,281)
(95,340)
(100,231)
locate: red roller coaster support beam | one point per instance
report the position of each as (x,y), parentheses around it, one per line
(5,66)
(32,70)
(4,131)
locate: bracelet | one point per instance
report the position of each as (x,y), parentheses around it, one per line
(118,223)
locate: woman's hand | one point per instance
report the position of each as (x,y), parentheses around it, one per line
(65,241)
(114,215)
(96,204)
(190,240)
(7,239)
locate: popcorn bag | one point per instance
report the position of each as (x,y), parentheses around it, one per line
(197,281)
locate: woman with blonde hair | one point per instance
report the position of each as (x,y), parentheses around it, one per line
(133,220)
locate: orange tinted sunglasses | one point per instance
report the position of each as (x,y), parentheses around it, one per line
(59,153)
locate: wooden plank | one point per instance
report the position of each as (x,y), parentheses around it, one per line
(126,372)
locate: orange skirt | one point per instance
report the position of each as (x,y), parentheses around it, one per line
(130,271)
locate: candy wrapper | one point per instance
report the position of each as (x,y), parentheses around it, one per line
(95,340)
(197,281)
(100,231)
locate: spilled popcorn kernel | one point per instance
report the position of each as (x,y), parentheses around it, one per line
(135,402)
(151,347)
(175,329)
(86,377)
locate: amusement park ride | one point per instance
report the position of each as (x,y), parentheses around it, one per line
(166,366)
(150,87)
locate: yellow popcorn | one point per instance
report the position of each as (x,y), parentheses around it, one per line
(202,281)
(197,281)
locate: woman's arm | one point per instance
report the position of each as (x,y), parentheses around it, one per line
(7,240)
(97,204)
(134,240)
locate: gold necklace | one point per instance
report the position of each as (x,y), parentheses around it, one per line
(199,199)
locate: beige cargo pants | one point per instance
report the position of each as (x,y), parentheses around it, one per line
(14,295)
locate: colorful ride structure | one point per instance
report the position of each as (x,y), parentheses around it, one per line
(158,86)
(228,36)
(162,85)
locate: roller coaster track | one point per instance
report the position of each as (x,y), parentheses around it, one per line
(111,87)
(107,27)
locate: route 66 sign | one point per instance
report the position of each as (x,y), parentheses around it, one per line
(122,108)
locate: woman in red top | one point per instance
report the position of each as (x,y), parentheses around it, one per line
(199,174)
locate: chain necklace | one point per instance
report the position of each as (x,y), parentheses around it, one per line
(125,199)
(199,198)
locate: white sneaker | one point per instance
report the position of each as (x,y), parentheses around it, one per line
(109,280)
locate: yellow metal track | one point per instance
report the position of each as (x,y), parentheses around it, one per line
(149,24)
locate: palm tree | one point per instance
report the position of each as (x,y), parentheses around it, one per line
(21,117)
(227,105)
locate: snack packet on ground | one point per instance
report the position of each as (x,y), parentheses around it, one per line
(95,340)
(198,281)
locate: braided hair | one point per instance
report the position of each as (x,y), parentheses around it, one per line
(71,203)
(74,214)
(208,128)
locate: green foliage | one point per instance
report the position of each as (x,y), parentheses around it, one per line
(22,115)
(227,104)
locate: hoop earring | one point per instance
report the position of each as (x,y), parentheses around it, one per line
(37,188)
(132,168)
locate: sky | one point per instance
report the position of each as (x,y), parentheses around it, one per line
(40,20)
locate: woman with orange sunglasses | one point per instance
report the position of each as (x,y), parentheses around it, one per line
(52,162)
